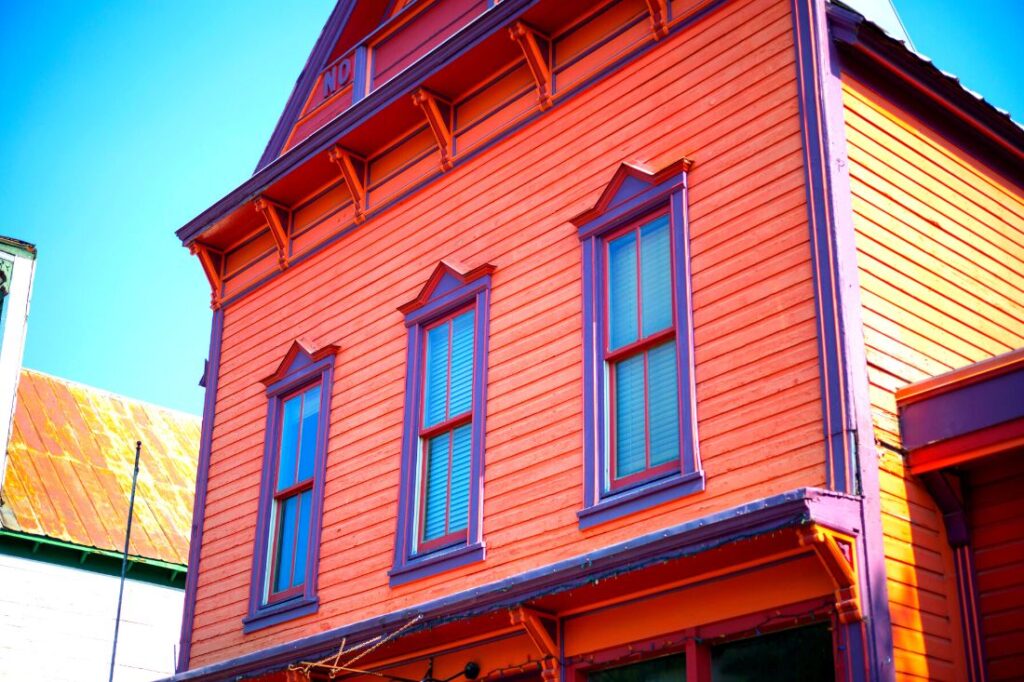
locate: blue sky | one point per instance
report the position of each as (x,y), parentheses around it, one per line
(121,120)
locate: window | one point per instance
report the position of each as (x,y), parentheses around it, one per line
(439,524)
(291,494)
(640,428)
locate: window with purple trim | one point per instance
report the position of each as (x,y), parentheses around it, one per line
(439,525)
(291,494)
(640,428)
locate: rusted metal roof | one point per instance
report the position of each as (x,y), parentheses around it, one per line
(69,469)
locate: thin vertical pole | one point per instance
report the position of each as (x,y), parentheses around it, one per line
(124,558)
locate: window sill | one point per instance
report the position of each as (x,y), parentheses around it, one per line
(272,614)
(639,498)
(436,562)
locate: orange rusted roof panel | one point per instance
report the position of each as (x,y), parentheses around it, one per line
(69,469)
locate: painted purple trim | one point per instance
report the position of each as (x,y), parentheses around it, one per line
(395,89)
(786,510)
(851,463)
(315,63)
(465,157)
(437,562)
(303,371)
(965,409)
(210,375)
(634,197)
(408,566)
(946,488)
(641,497)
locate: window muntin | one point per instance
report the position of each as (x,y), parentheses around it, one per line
(642,403)
(446,437)
(293,493)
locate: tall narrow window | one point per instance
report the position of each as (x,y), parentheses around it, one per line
(440,501)
(291,495)
(640,445)
(446,433)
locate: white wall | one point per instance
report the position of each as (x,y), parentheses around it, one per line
(57,623)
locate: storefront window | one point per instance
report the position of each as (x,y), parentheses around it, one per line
(801,654)
(667,669)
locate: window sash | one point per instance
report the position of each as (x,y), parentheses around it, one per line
(622,344)
(293,478)
(459,374)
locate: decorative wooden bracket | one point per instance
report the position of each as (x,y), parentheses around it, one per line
(837,552)
(659,17)
(352,174)
(431,105)
(542,628)
(211,260)
(534,47)
(277,217)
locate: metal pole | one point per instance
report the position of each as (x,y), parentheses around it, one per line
(124,557)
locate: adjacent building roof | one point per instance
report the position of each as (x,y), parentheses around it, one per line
(70,462)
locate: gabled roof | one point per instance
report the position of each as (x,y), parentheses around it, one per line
(70,462)
(349,22)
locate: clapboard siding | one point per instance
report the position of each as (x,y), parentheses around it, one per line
(704,93)
(940,242)
(996,510)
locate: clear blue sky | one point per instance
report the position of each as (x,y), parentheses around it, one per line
(121,120)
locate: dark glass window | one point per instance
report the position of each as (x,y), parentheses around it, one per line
(666,669)
(803,654)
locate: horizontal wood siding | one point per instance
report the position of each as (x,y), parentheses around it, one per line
(704,93)
(940,241)
(996,513)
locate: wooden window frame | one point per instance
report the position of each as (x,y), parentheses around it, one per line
(448,293)
(300,371)
(632,199)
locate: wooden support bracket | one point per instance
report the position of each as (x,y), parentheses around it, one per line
(838,553)
(431,105)
(659,17)
(211,261)
(542,629)
(351,167)
(535,48)
(277,217)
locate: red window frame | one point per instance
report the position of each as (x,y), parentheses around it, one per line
(643,344)
(281,496)
(449,424)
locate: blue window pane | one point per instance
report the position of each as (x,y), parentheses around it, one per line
(663,393)
(622,301)
(630,450)
(289,442)
(435,392)
(655,276)
(436,486)
(462,438)
(462,363)
(287,509)
(310,427)
(302,539)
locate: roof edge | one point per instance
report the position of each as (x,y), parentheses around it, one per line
(854,31)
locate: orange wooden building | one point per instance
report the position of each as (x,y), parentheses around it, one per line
(596,341)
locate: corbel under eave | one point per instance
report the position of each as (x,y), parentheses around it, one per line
(277,217)
(346,162)
(209,259)
(542,629)
(431,106)
(837,553)
(529,40)
(658,10)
